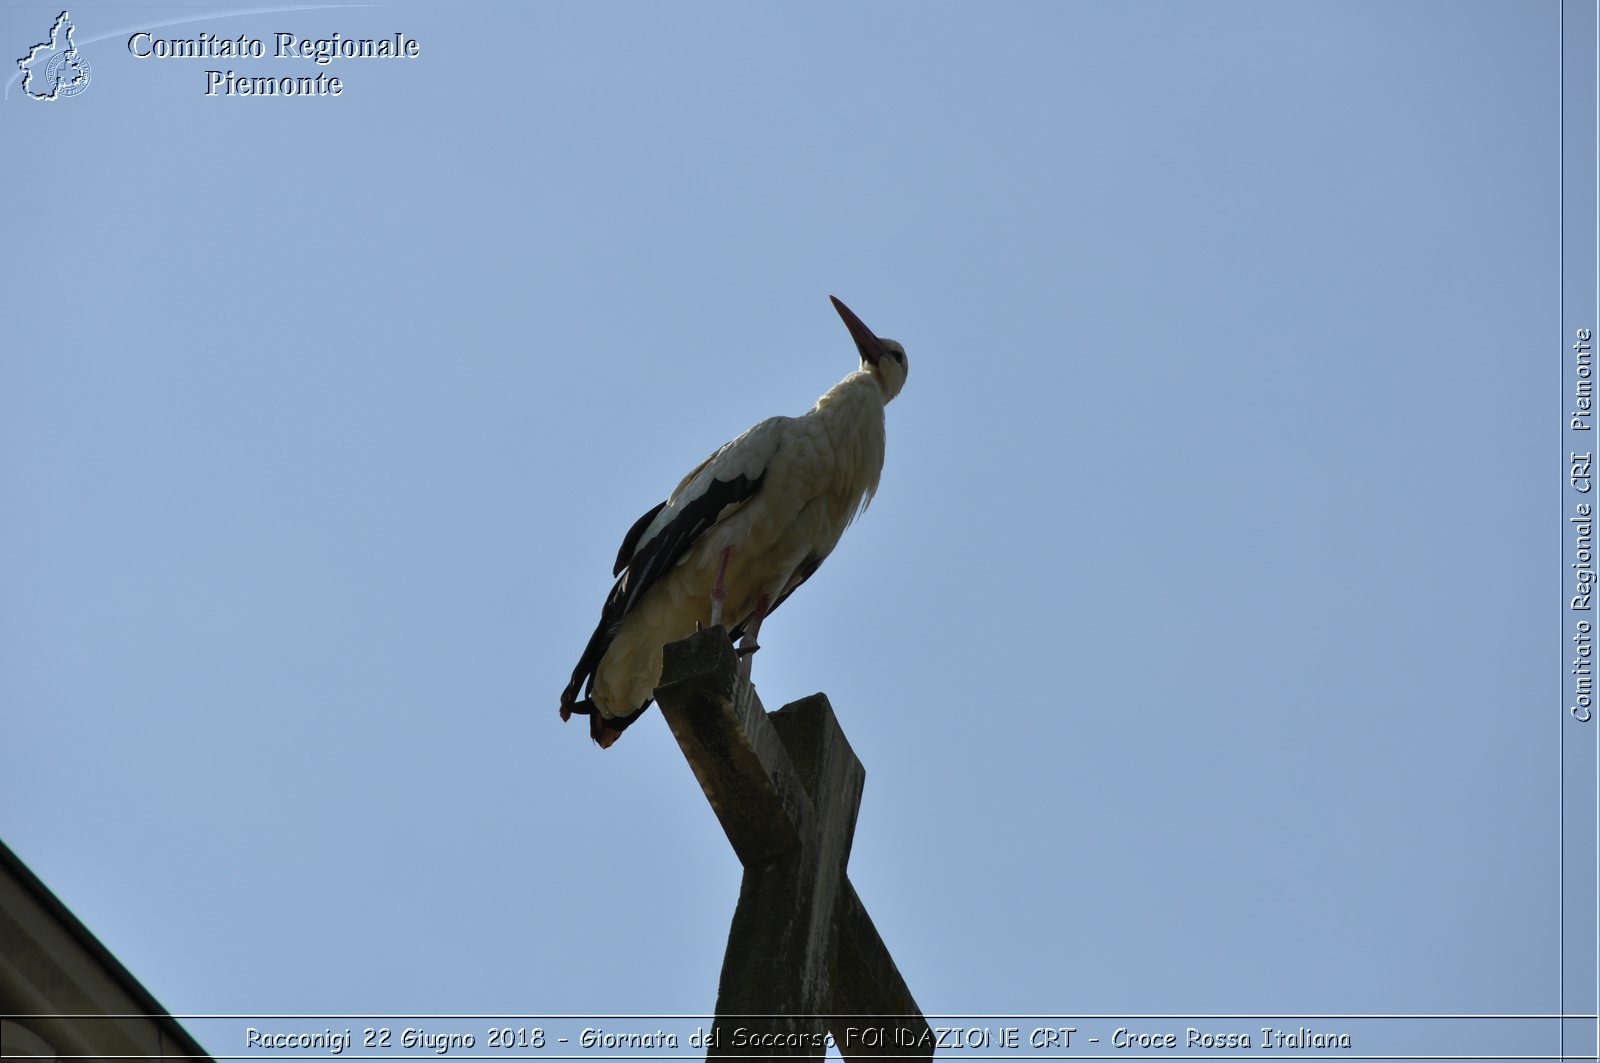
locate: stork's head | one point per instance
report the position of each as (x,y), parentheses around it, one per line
(885,359)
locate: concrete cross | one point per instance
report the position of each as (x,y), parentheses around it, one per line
(803,956)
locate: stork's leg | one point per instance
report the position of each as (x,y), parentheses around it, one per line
(719,590)
(747,645)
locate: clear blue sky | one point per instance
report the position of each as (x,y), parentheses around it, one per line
(1199,644)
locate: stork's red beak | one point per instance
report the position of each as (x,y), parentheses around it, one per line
(871,348)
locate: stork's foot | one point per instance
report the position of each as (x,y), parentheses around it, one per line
(746,647)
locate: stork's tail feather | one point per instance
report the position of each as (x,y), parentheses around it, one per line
(603,729)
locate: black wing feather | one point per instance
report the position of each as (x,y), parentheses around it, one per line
(641,567)
(656,557)
(631,540)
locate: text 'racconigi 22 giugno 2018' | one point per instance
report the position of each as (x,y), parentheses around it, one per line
(320,50)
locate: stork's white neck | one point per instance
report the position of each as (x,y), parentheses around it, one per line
(854,387)
(851,415)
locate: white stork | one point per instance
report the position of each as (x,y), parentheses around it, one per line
(737,535)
